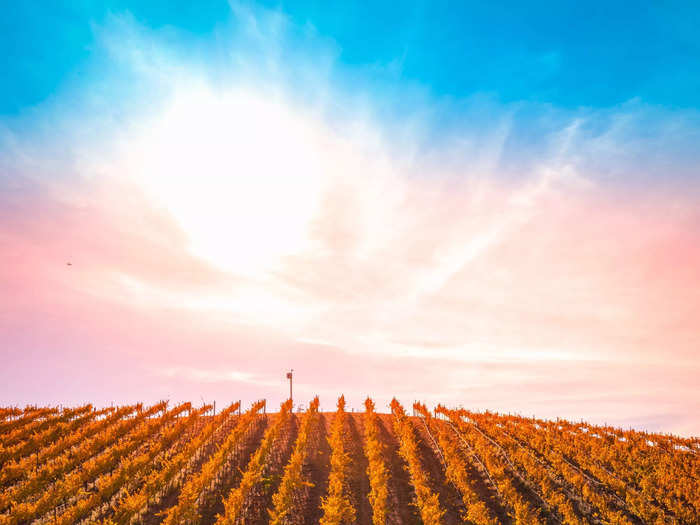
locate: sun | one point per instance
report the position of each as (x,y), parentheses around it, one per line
(241,173)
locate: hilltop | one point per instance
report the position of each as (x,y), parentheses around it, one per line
(136,464)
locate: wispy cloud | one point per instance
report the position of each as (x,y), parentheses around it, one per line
(215,376)
(221,225)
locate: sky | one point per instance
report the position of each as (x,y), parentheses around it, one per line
(484,205)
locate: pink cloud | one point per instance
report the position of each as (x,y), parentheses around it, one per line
(554,295)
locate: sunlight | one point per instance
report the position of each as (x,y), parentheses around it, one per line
(240,174)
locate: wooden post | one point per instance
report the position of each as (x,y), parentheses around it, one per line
(289,376)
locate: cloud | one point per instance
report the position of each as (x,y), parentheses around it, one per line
(231,205)
(215,376)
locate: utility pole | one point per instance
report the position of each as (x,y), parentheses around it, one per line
(289,376)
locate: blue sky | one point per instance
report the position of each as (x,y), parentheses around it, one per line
(566,54)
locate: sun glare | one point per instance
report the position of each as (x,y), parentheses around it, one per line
(241,174)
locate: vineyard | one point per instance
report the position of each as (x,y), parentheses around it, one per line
(247,465)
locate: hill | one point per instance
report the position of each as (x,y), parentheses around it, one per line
(181,465)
